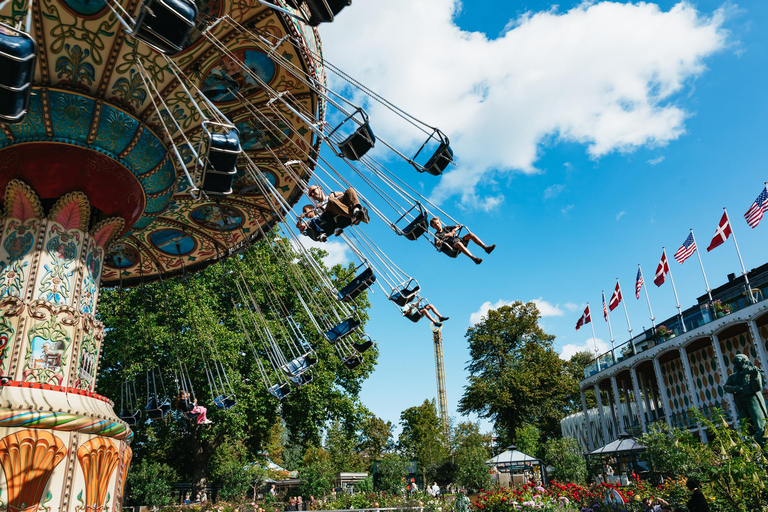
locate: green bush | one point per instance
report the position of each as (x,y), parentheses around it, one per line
(150,483)
(566,459)
(391,470)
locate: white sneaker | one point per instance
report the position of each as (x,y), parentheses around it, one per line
(338,231)
(207,422)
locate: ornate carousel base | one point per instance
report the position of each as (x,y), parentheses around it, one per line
(62,448)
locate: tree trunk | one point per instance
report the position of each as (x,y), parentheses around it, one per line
(201,455)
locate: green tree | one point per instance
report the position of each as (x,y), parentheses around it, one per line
(390,472)
(340,444)
(574,368)
(375,438)
(567,462)
(150,483)
(471,450)
(516,377)
(422,438)
(528,439)
(232,471)
(192,320)
(671,451)
(316,473)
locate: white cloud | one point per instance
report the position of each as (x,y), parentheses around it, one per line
(601,74)
(570,306)
(545,309)
(338,252)
(566,210)
(620,214)
(589,345)
(553,191)
(656,161)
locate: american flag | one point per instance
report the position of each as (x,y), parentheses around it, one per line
(639,282)
(585,319)
(755,212)
(686,250)
(616,297)
(605,308)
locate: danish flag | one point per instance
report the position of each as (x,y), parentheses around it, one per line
(616,297)
(662,269)
(722,233)
(585,319)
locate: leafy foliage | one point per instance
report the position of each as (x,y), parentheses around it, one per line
(375,438)
(528,439)
(672,452)
(317,473)
(150,483)
(391,470)
(192,320)
(471,450)
(566,459)
(422,438)
(516,377)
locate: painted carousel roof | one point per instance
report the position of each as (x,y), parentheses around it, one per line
(91,125)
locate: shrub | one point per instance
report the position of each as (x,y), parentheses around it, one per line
(566,459)
(150,483)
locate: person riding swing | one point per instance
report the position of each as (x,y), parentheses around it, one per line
(447,236)
(190,407)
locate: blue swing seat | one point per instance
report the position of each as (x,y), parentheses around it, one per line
(156,411)
(357,286)
(299,365)
(417,227)
(18,52)
(165,25)
(402,295)
(345,328)
(440,159)
(221,161)
(301,380)
(352,361)
(225,402)
(362,346)
(279,391)
(131,419)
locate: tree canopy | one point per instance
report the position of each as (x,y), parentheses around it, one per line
(191,321)
(516,377)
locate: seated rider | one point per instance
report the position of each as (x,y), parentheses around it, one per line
(345,204)
(184,404)
(448,235)
(318,226)
(412,306)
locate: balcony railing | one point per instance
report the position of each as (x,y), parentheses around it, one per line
(694,317)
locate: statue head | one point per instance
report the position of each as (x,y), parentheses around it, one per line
(740,361)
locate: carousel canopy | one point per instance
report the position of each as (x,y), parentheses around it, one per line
(512,458)
(625,444)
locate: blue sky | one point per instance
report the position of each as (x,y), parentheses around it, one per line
(587,138)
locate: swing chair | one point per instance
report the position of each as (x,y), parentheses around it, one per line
(299,365)
(352,361)
(446,248)
(18,52)
(416,227)
(358,285)
(362,346)
(221,148)
(279,391)
(344,328)
(155,409)
(163,25)
(405,292)
(415,312)
(359,142)
(440,159)
(320,11)
(131,413)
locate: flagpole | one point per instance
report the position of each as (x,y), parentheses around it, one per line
(671,280)
(743,270)
(610,330)
(594,339)
(698,253)
(653,320)
(629,327)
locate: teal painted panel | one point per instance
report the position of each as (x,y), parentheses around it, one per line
(160,179)
(145,156)
(32,126)
(71,115)
(116,130)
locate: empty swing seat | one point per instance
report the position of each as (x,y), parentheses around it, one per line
(279,391)
(357,286)
(221,162)
(225,402)
(18,51)
(362,346)
(343,329)
(359,143)
(299,365)
(156,411)
(352,361)
(130,418)
(405,294)
(301,380)
(440,160)
(417,227)
(165,25)
(323,11)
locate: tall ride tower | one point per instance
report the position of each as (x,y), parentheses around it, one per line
(442,406)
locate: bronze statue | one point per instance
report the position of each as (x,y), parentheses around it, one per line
(746,384)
